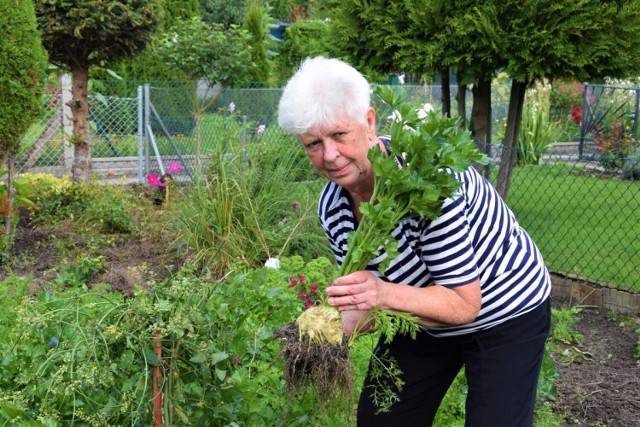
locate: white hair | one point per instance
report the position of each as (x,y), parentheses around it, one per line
(320,92)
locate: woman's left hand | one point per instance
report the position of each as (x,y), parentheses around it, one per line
(361,290)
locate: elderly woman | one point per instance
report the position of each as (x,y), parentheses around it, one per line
(473,276)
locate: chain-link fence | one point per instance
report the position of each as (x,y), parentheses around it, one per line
(583,211)
(115,134)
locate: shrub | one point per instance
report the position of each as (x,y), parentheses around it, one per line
(613,143)
(631,166)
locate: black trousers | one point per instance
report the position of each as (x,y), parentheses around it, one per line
(502,365)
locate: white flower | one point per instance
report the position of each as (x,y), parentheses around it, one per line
(395,116)
(232,107)
(261,129)
(273,263)
(424,111)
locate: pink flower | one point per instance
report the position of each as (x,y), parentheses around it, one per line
(174,167)
(260,129)
(152,179)
(295,205)
(232,107)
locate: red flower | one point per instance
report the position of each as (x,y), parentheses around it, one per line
(576,115)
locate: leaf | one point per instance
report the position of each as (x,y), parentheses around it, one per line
(151,357)
(221,374)
(219,357)
(199,358)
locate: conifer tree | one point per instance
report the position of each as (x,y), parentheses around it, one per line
(23,64)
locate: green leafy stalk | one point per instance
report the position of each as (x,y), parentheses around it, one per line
(431,147)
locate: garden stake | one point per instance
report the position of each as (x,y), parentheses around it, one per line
(157,393)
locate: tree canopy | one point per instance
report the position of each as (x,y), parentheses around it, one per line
(83,33)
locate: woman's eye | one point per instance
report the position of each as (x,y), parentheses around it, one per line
(313,145)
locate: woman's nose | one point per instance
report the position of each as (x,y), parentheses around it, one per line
(330,150)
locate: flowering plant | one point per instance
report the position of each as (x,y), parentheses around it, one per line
(576,115)
(164,181)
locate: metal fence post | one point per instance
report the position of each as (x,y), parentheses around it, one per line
(140,132)
(67,122)
(583,121)
(147,109)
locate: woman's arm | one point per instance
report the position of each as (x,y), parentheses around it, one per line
(434,305)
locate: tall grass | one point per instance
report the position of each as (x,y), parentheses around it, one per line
(252,205)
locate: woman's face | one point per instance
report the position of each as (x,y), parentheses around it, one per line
(339,152)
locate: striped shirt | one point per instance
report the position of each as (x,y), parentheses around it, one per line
(476,236)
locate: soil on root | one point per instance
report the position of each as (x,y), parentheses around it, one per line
(326,367)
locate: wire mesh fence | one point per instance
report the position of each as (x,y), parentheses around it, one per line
(583,211)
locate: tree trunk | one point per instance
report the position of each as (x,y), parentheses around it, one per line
(510,146)
(446,92)
(481,119)
(79,104)
(461,101)
(7,204)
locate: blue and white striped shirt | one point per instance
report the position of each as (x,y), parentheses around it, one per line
(477,236)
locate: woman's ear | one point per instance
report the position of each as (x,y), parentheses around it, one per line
(371,124)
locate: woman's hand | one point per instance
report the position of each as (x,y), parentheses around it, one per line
(361,290)
(356,321)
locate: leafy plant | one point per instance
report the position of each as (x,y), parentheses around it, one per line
(631,165)
(563,320)
(536,134)
(252,206)
(614,143)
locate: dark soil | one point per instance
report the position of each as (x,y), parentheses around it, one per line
(599,387)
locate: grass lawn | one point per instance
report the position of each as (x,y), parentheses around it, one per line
(584,225)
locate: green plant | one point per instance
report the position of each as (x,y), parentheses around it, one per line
(631,165)
(563,320)
(614,143)
(536,134)
(108,208)
(253,205)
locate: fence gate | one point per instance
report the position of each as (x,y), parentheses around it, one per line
(606,110)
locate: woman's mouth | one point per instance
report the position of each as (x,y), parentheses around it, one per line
(337,172)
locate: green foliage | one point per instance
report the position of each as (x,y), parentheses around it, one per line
(81,273)
(614,143)
(563,320)
(631,166)
(85,356)
(536,130)
(565,97)
(84,33)
(223,12)
(207,51)
(22,198)
(303,39)
(389,324)
(108,208)
(359,31)
(23,63)
(253,205)
(256,23)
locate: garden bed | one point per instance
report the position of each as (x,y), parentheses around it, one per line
(600,378)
